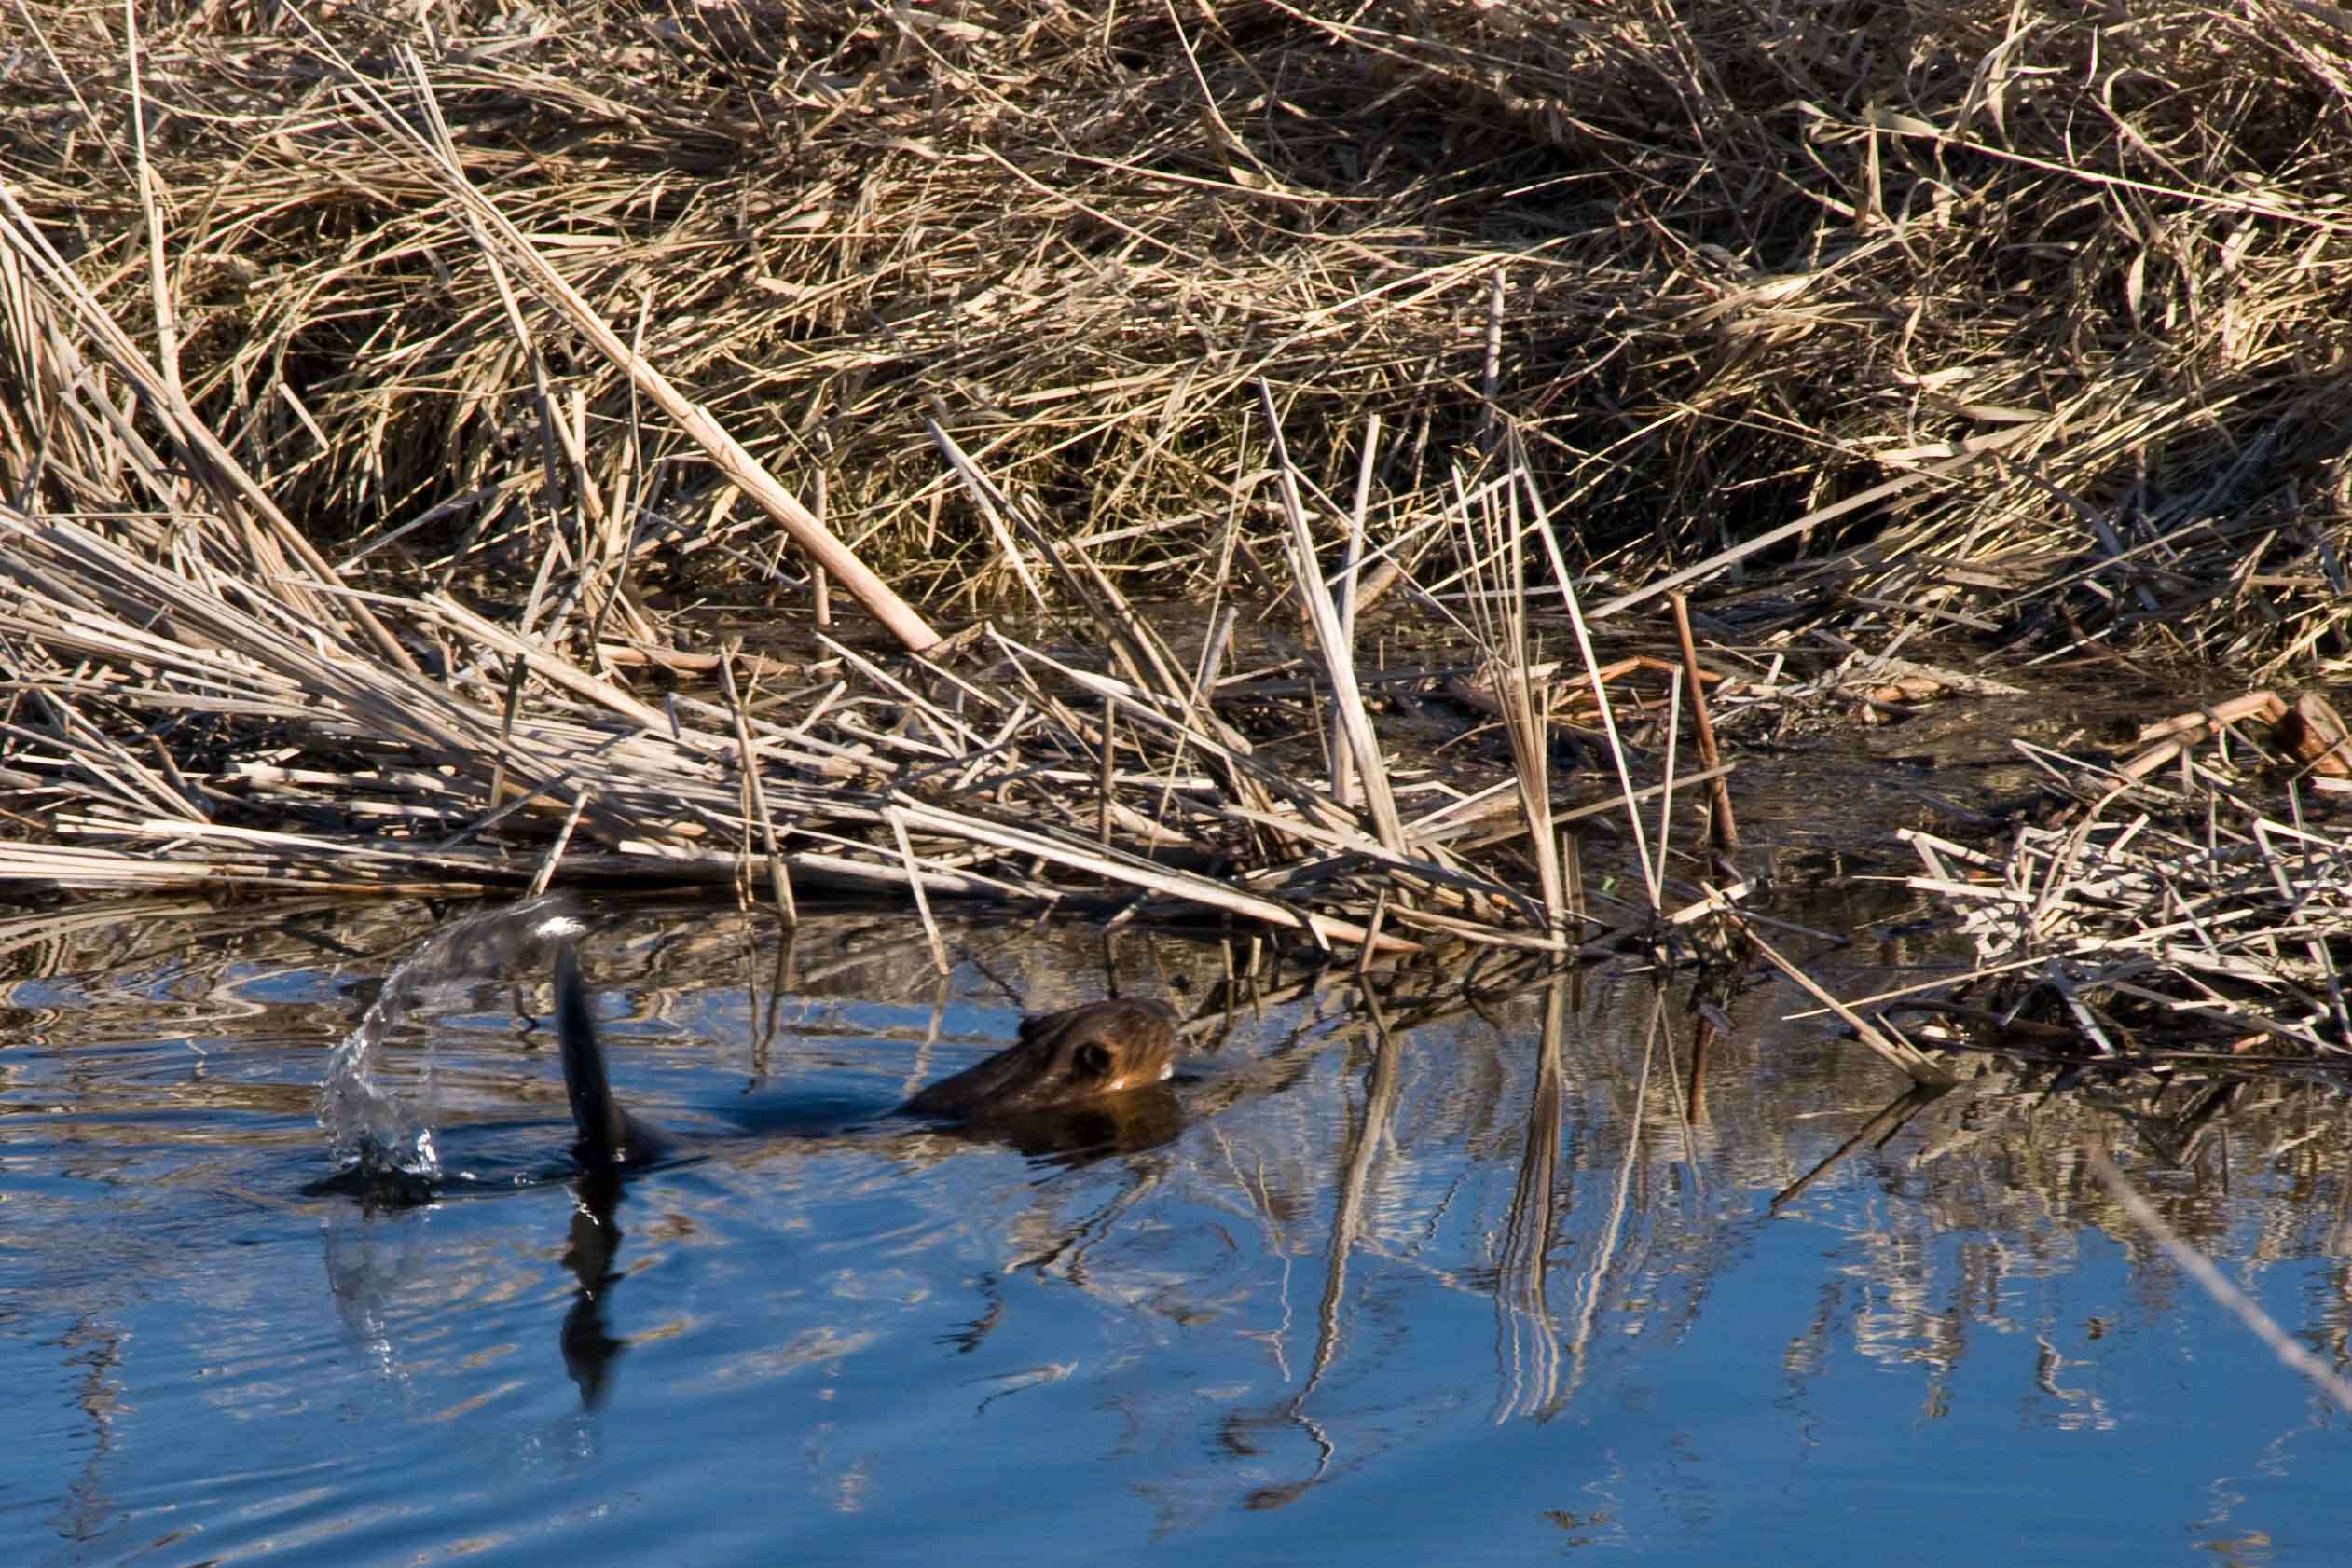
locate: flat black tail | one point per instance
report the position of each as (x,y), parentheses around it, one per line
(606,1135)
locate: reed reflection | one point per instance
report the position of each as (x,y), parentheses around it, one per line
(1527,1343)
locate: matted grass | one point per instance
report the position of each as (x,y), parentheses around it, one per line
(2062,289)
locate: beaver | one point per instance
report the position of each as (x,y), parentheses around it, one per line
(1060,1060)
(1065,1069)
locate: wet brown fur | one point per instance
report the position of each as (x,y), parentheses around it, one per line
(1063,1059)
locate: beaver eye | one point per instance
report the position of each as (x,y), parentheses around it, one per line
(1090,1061)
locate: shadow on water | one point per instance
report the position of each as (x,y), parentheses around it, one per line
(1389,1270)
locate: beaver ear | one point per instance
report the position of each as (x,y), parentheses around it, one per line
(1091,1060)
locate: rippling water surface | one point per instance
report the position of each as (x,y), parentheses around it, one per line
(1490,1286)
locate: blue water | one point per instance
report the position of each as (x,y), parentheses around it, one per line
(1411,1297)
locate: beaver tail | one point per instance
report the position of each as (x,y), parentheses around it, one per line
(605,1130)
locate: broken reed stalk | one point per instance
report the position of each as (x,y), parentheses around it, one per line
(1673,716)
(1910,1060)
(1529,733)
(991,505)
(821,591)
(1343,773)
(539,883)
(747,764)
(1182,885)
(1338,657)
(922,900)
(167,327)
(1111,767)
(1601,700)
(1499,611)
(1723,830)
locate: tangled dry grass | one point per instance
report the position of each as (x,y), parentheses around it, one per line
(2042,305)
(2168,911)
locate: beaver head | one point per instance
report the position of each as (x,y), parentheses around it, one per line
(1062,1059)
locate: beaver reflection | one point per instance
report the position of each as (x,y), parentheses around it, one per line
(1070,1135)
(587,1345)
(1081,1083)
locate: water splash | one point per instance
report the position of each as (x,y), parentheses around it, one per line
(371,1128)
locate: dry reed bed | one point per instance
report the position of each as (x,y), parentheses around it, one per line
(2174,918)
(188,718)
(2026,317)
(198,697)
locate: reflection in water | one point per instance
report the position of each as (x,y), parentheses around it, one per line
(1366,1135)
(95,1346)
(368,1263)
(1606,1251)
(1527,1344)
(1621,1262)
(1068,1139)
(588,1347)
